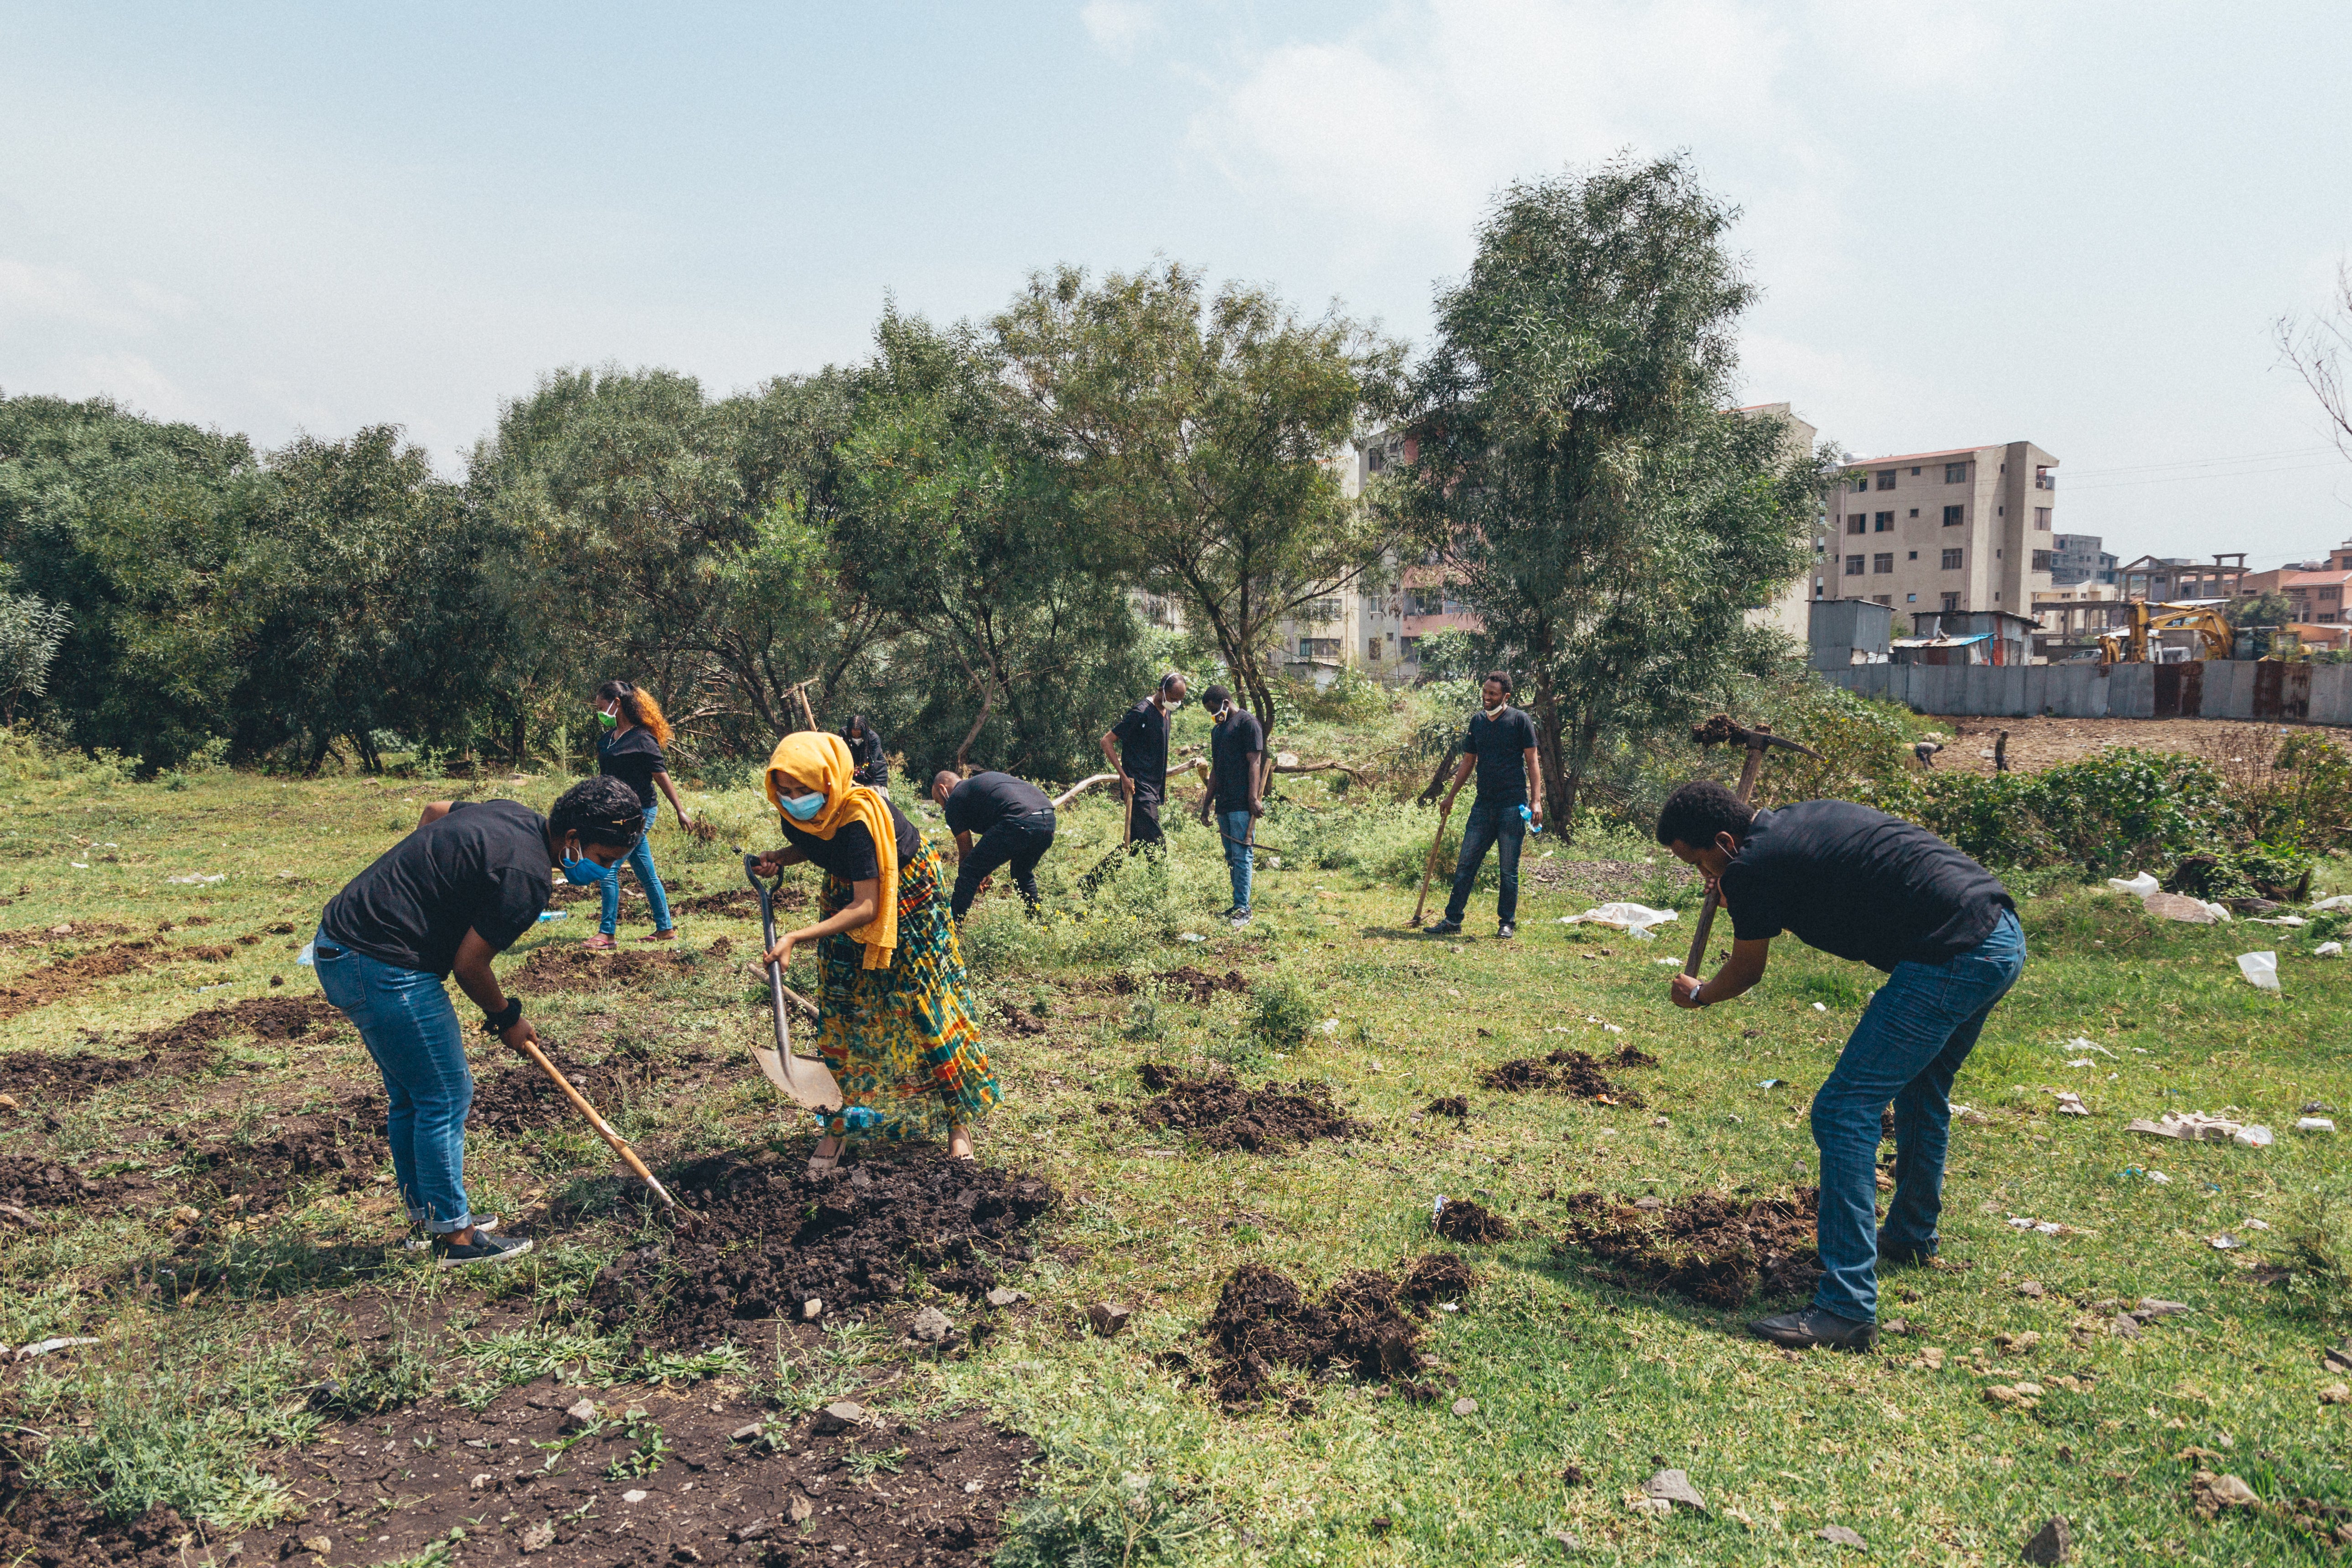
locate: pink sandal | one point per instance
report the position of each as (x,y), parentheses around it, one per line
(600,942)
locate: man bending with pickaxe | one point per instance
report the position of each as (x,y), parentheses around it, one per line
(1869,887)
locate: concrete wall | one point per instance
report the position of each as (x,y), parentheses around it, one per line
(2080,690)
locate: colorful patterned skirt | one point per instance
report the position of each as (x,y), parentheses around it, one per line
(900,1040)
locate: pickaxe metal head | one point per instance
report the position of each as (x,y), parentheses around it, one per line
(1722,731)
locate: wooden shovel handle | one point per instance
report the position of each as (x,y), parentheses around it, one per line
(604,1129)
(1429,866)
(1748,772)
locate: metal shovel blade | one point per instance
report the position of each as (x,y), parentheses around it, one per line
(808,1081)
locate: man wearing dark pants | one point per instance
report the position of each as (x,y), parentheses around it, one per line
(1141,760)
(1869,887)
(1013,821)
(1501,745)
(1236,749)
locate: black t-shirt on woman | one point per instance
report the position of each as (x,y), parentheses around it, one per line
(1860,884)
(482,868)
(849,853)
(633,758)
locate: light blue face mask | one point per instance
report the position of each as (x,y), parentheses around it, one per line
(582,872)
(804,807)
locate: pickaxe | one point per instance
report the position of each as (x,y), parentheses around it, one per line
(1720,729)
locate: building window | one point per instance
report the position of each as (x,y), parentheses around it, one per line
(2043,480)
(1954,516)
(1858,522)
(2041,559)
(1883,523)
(2042,519)
(1913,556)
(1910,598)
(1411,646)
(1881,563)
(1882,598)
(1914,511)
(1319,648)
(1956,473)
(1319,610)
(1375,459)
(1853,565)
(1951,560)
(1951,603)
(1886,479)
(1372,649)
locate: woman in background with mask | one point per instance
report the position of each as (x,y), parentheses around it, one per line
(631,751)
(894,1006)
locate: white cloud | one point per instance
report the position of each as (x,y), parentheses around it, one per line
(32,292)
(1117,26)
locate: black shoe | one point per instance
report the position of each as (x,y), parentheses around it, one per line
(419,1238)
(1815,1326)
(1904,1258)
(1445,928)
(484,1249)
(1506,931)
(1239,918)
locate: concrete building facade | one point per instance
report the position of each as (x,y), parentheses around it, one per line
(2076,558)
(2176,579)
(1967,528)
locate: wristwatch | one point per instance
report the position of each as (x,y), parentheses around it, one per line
(505,1018)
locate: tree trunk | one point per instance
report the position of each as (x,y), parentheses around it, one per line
(1559,793)
(1572,784)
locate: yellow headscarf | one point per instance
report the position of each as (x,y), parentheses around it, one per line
(821,760)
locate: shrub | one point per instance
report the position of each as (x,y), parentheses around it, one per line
(1281,1012)
(2109,814)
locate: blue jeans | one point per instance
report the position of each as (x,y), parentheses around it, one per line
(1907,1048)
(1018,841)
(1235,829)
(1490,823)
(412,1031)
(640,860)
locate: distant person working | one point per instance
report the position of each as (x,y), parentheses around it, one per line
(1501,744)
(871,768)
(997,820)
(1141,759)
(1236,753)
(1873,888)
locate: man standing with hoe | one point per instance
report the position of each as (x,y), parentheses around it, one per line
(1236,747)
(1141,759)
(1501,745)
(1864,886)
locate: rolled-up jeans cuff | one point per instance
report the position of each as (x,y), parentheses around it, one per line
(450,1227)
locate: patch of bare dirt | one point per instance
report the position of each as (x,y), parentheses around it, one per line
(1452,1105)
(1574,1073)
(2044,742)
(521,1098)
(1216,1110)
(1195,985)
(1604,881)
(1715,1250)
(568,966)
(772,1238)
(1466,1220)
(50,1529)
(1367,1322)
(34,1182)
(230,1176)
(64,931)
(263,1017)
(64,977)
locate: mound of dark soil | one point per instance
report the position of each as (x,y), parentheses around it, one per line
(568,966)
(36,1078)
(28,1181)
(521,1098)
(1573,1073)
(64,930)
(53,1529)
(1197,986)
(1452,1105)
(1365,1323)
(337,1149)
(1222,1114)
(773,1238)
(1715,1250)
(263,1017)
(64,977)
(1463,1220)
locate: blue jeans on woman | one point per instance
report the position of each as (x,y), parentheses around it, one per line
(1491,823)
(1907,1048)
(641,861)
(1233,827)
(412,1031)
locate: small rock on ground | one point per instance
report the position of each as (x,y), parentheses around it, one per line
(1839,1535)
(2053,1542)
(1674,1486)
(1465,1406)
(931,1325)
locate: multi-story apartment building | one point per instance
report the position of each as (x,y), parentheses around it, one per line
(1964,528)
(2076,558)
(2176,579)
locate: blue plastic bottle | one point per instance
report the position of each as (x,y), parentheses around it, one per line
(1526,815)
(858,1118)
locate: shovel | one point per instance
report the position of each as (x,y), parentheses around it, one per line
(805,1080)
(683,1219)
(1430,866)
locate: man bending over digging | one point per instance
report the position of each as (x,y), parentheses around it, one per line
(1873,888)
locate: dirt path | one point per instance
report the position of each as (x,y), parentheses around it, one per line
(2044,742)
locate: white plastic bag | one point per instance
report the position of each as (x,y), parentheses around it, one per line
(2139,886)
(2261,970)
(1635,920)
(2340,902)
(2329,949)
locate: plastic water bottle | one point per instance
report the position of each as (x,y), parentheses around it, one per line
(858,1118)
(1526,815)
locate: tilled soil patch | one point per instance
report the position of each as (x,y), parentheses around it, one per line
(1367,1322)
(1465,1220)
(263,1017)
(1715,1250)
(773,1238)
(522,1099)
(64,930)
(39,1079)
(64,977)
(1574,1073)
(50,1529)
(1196,985)
(231,1178)
(31,1181)
(1216,1110)
(568,966)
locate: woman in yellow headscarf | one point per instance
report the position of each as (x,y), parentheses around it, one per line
(894,1006)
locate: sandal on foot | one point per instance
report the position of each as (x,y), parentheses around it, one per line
(667,934)
(600,942)
(822,1164)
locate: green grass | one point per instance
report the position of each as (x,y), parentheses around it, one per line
(1567,1370)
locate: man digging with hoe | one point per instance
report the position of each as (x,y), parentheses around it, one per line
(1864,886)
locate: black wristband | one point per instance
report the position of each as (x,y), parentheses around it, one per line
(505,1018)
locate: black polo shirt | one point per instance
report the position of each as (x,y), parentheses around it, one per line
(1237,737)
(983,800)
(1860,884)
(1142,732)
(482,868)
(1501,744)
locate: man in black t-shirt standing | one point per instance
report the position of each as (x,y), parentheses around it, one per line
(1236,749)
(1873,888)
(1013,821)
(1501,744)
(1141,758)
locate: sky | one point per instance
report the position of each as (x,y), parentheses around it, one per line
(1971,223)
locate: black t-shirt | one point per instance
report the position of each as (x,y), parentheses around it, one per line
(867,764)
(634,759)
(1860,884)
(849,853)
(1142,732)
(983,800)
(482,868)
(1501,744)
(1230,745)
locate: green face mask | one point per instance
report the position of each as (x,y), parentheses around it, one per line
(607,719)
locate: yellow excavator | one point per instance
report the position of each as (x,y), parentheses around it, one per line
(2219,635)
